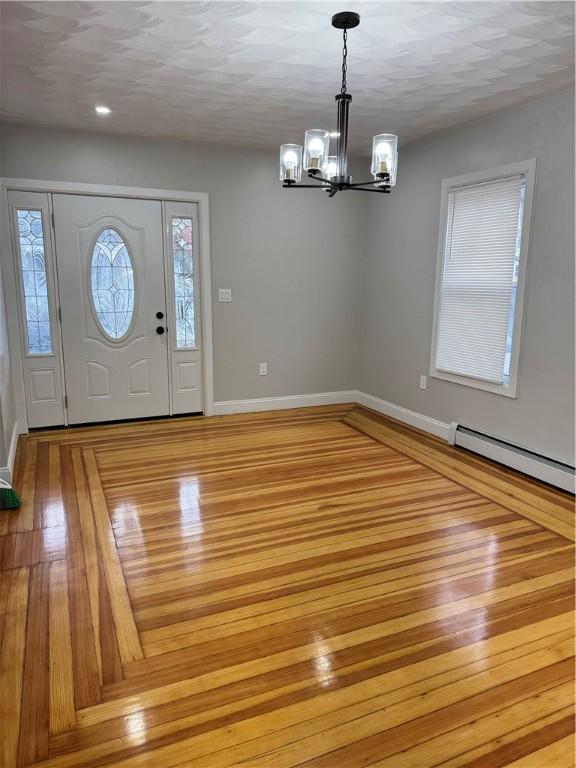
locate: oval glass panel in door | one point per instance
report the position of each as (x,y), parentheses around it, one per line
(112,284)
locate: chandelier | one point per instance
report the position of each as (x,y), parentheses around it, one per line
(330,172)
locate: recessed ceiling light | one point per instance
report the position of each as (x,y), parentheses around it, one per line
(102,110)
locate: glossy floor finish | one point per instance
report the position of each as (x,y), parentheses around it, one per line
(315,587)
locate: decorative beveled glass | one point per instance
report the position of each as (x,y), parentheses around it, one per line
(385,156)
(316,148)
(35,284)
(112,284)
(290,162)
(183,259)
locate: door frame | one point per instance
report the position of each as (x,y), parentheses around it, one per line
(7,264)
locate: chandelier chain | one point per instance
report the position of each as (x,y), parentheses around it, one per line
(344,62)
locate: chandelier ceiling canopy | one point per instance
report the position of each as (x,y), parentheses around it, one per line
(330,172)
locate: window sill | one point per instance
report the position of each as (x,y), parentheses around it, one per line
(505,390)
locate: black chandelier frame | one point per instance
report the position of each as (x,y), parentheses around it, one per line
(343,181)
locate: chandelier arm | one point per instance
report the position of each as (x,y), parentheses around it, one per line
(372,182)
(384,191)
(301,186)
(321,180)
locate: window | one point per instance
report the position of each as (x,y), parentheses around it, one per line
(34,282)
(481,269)
(112,284)
(183,259)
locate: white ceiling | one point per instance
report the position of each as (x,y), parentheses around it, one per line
(260,73)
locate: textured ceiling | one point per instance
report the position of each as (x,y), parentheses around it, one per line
(259,73)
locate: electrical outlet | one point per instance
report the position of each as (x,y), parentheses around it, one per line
(263,369)
(423,382)
(225,295)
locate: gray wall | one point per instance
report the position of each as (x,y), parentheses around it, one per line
(399,274)
(290,257)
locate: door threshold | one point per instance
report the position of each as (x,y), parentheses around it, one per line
(113,422)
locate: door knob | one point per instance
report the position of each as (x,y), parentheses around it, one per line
(159,315)
(160,330)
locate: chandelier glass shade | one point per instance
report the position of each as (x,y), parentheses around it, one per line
(330,172)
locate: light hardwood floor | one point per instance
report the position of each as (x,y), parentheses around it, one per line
(316,587)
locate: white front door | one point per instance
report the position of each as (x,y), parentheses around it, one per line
(109,254)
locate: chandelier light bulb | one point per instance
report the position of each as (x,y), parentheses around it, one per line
(385,158)
(290,163)
(290,159)
(316,147)
(316,144)
(331,167)
(330,172)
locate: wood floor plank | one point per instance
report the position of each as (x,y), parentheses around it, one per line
(397,739)
(90,549)
(87,685)
(126,632)
(558,754)
(320,586)
(518,738)
(62,707)
(12,663)
(34,725)
(492,733)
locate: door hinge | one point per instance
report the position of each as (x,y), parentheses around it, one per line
(60,314)
(65,401)
(53,220)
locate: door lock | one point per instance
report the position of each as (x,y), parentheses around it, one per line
(160,330)
(159,315)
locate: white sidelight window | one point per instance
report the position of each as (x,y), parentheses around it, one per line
(182,245)
(30,234)
(485,219)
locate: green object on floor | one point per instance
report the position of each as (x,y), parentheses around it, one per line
(9,499)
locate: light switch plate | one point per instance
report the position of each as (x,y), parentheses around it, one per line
(225,295)
(263,369)
(423,382)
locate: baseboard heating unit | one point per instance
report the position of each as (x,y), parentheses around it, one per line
(531,463)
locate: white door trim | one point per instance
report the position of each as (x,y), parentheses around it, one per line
(105,190)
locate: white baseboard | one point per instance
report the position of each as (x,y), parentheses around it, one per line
(225,407)
(8,469)
(413,418)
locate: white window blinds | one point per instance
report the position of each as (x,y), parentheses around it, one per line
(479,278)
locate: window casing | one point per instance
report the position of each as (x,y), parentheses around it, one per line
(481,274)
